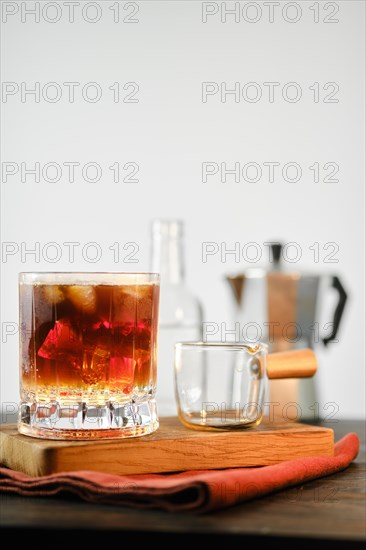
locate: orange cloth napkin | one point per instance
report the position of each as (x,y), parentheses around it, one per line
(199,491)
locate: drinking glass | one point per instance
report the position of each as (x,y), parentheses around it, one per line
(88,353)
(220,385)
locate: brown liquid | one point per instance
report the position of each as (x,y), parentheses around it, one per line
(88,339)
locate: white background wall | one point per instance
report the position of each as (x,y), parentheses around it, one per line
(170,132)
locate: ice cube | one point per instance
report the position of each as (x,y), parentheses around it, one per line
(138,291)
(124,307)
(83,297)
(121,373)
(53,294)
(145,309)
(62,340)
(95,365)
(133,302)
(97,334)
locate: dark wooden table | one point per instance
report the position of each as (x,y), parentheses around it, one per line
(330,510)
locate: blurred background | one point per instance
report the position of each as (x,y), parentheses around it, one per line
(248,127)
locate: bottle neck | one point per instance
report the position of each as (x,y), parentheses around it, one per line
(167,259)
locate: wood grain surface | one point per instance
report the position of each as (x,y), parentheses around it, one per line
(298,363)
(172,448)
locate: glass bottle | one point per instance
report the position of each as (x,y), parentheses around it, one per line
(180,317)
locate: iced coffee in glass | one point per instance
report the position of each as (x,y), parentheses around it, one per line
(88,349)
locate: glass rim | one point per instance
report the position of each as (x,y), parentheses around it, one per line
(249,347)
(88,277)
(89,273)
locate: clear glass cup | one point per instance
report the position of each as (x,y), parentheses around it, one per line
(220,385)
(88,354)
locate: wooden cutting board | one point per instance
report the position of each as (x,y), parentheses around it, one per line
(172,448)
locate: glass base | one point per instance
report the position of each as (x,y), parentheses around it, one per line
(82,421)
(229,421)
